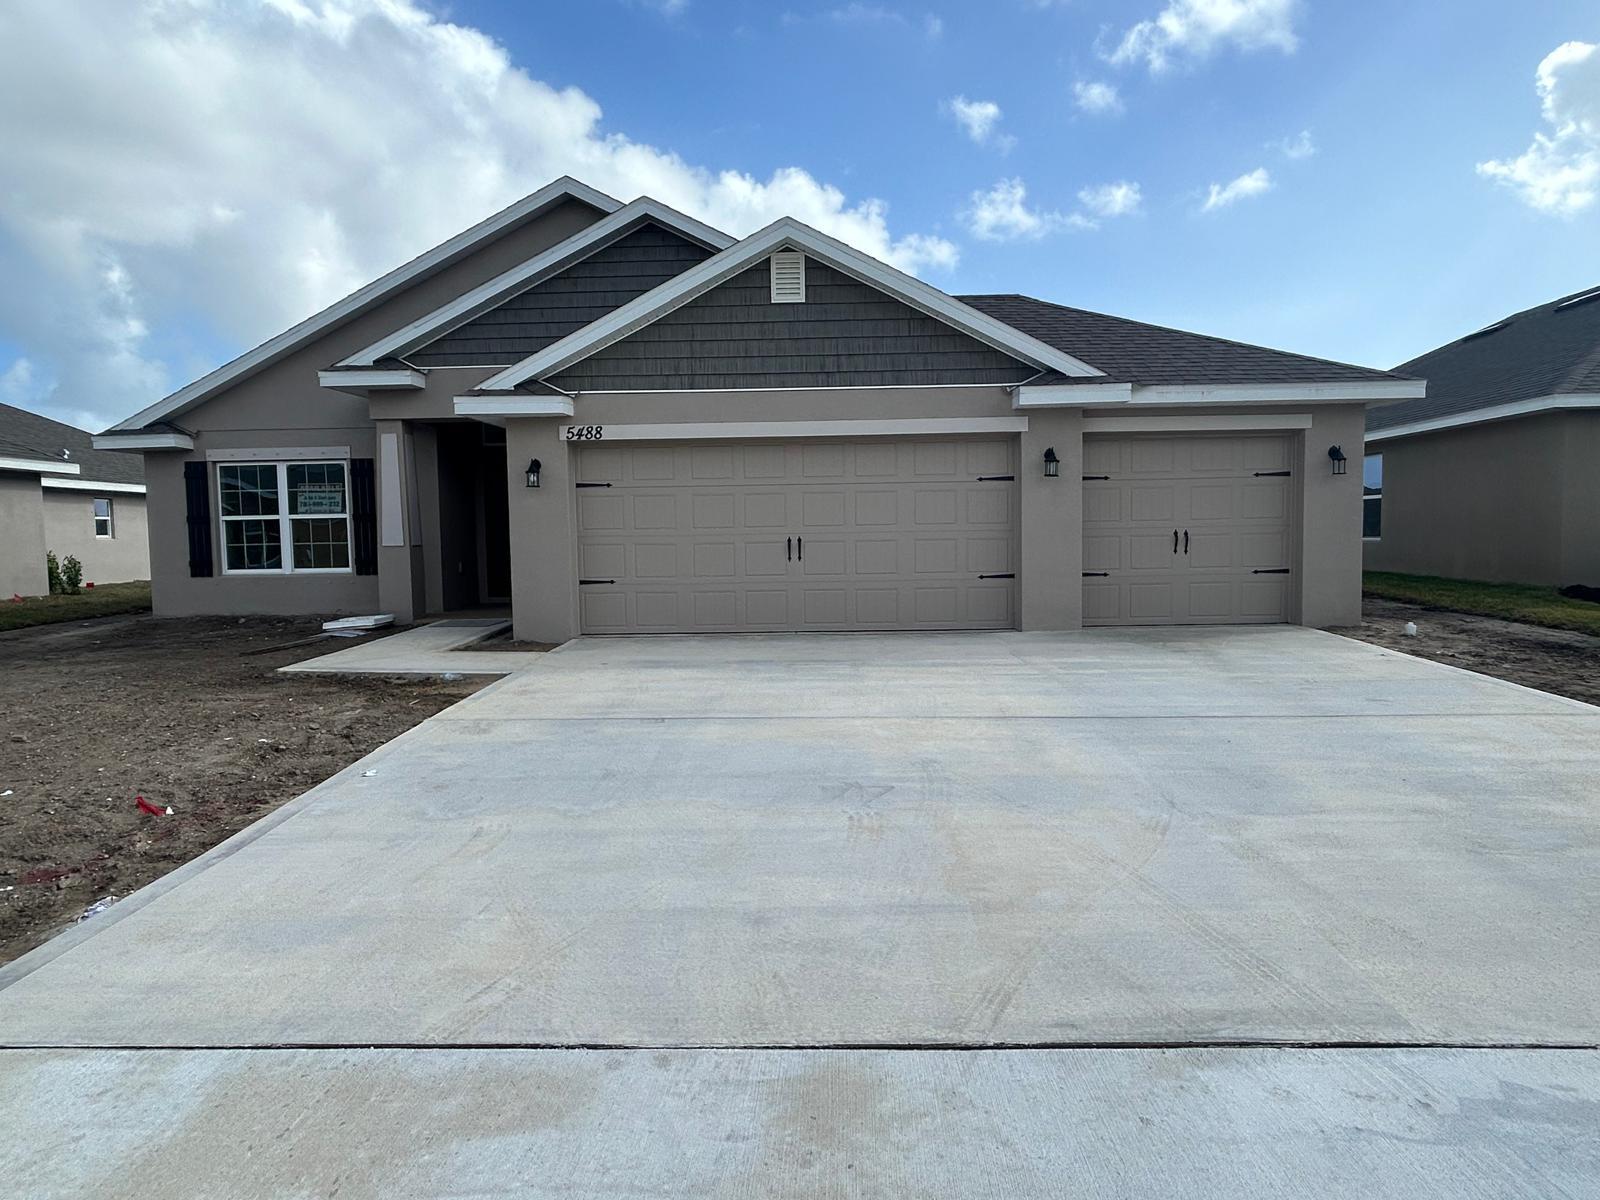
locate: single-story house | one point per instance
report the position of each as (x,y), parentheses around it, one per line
(620,420)
(1495,473)
(59,494)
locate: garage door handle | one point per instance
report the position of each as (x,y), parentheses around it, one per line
(1174,541)
(1270,571)
(591,582)
(800,548)
(788,549)
(1010,576)
(1186,541)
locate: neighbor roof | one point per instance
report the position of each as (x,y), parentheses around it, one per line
(25,434)
(1154,355)
(1550,350)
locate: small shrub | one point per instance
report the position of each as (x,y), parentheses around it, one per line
(53,570)
(71,575)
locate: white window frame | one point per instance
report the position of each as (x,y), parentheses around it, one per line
(110,518)
(285,519)
(1378,496)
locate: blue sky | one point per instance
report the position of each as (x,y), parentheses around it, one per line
(959,140)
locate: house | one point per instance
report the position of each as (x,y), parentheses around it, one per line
(59,494)
(620,420)
(1495,474)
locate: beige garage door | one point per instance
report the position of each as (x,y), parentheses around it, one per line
(1187,530)
(716,537)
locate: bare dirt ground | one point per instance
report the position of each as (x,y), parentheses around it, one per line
(94,714)
(1552,660)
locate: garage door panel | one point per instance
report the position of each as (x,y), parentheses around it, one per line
(1238,523)
(872,535)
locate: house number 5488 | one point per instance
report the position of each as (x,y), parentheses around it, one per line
(585,433)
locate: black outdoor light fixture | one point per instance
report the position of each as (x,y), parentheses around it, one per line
(1052,464)
(1336,456)
(533,472)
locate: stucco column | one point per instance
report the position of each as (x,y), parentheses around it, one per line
(1330,519)
(1051,572)
(544,547)
(400,582)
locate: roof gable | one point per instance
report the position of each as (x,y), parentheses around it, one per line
(845,334)
(25,434)
(786,233)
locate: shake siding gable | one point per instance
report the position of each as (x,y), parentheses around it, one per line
(566,302)
(845,334)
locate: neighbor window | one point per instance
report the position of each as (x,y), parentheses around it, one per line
(1372,496)
(102,517)
(268,508)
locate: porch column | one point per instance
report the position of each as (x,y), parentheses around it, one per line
(400,582)
(1051,571)
(544,544)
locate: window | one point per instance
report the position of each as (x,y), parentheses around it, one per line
(266,507)
(102,517)
(1372,496)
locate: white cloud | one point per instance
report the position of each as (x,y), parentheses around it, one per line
(980,119)
(1252,183)
(207,172)
(1196,29)
(1299,147)
(1118,199)
(1096,97)
(1560,172)
(932,26)
(1002,213)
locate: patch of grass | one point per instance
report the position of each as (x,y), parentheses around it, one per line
(106,600)
(1509,601)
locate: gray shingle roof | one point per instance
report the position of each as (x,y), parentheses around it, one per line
(1552,349)
(24,434)
(1134,352)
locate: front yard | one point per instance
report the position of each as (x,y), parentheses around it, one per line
(100,713)
(109,599)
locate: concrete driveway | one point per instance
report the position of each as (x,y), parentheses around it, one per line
(1191,837)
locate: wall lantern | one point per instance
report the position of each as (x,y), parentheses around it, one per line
(1052,464)
(1336,456)
(533,473)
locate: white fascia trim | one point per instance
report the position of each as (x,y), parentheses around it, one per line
(526,275)
(719,268)
(1500,412)
(92,485)
(39,466)
(1071,395)
(513,406)
(358,382)
(1197,422)
(1280,393)
(712,430)
(270,351)
(143,441)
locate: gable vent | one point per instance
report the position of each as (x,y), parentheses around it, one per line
(788,277)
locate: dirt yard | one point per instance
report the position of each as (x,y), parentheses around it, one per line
(1552,660)
(94,714)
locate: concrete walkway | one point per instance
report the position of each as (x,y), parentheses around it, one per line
(1109,838)
(432,649)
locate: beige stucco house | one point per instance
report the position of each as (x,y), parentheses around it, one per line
(58,493)
(1495,474)
(619,420)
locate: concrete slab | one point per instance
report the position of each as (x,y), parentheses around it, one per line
(1012,1125)
(432,649)
(1122,836)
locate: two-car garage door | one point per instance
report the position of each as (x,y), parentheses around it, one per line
(815,535)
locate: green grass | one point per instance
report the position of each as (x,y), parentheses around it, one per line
(1510,601)
(106,600)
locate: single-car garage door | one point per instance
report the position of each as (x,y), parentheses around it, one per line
(716,537)
(1187,530)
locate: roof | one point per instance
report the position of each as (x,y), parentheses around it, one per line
(25,434)
(1550,350)
(1154,355)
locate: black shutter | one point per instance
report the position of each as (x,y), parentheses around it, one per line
(198,496)
(364,516)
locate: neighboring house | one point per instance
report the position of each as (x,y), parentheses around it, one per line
(58,493)
(619,420)
(1495,475)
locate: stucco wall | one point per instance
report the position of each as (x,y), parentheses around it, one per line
(22,569)
(69,529)
(1494,502)
(285,407)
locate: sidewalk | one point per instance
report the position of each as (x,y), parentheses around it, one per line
(426,650)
